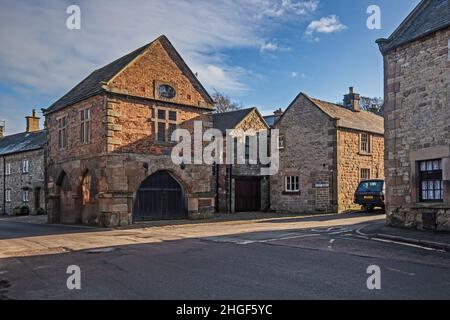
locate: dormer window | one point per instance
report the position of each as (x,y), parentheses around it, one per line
(166,91)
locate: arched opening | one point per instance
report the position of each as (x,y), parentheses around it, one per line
(86,188)
(67,211)
(160,197)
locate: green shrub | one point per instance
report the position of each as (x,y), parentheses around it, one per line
(24,210)
(16,211)
(40,212)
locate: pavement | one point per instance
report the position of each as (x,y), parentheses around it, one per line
(437,240)
(281,257)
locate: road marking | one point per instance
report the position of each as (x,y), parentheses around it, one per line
(407,244)
(403,272)
(247,241)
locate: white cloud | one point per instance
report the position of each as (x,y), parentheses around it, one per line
(295,74)
(268,46)
(330,24)
(288,7)
(40,55)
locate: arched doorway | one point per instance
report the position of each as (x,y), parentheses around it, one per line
(68,213)
(160,197)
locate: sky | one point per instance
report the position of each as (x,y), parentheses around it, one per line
(259,52)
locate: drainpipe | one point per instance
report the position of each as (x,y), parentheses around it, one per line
(217,168)
(231,189)
(4,186)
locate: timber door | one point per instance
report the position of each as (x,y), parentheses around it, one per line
(160,197)
(247,194)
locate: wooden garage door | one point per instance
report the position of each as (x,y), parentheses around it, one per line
(160,197)
(247,194)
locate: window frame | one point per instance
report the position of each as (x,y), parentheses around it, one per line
(25,166)
(85,125)
(365,146)
(63,135)
(292,184)
(166,122)
(25,195)
(8,169)
(368,170)
(431,175)
(8,195)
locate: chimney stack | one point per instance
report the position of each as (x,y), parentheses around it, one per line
(278,113)
(33,122)
(351,100)
(2,128)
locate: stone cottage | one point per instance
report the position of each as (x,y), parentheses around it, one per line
(110,142)
(325,151)
(417,118)
(22,168)
(241,187)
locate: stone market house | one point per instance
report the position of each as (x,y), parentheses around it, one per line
(22,168)
(109,154)
(325,151)
(241,187)
(417,118)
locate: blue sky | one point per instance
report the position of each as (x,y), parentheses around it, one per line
(260,52)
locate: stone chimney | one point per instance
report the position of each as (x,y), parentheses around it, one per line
(351,100)
(33,122)
(278,113)
(2,128)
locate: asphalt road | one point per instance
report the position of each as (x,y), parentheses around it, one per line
(324,263)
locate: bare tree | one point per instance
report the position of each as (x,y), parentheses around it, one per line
(374,105)
(223,103)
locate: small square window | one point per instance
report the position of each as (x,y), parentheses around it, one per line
(162,114)
(172,115)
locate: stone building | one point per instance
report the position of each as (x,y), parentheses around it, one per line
(22,168)
(241,187)
(417,118)
(109,153)
(325,151)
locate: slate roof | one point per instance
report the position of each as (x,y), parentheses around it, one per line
(21,142)
(362,120)
(229,120)
(93,84)
(429,16)
(270,120)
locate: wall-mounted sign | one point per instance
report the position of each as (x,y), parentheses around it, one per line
(322,185)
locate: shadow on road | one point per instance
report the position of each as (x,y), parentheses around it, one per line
(10,229)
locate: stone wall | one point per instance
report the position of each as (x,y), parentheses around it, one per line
(157,66)
(417,117)
(17,181)
(310,153)
(351,161)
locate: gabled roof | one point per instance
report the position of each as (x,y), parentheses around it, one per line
(429,16)
(94,83)
(361,120)
(346,118)
(21,142)
(229,120)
